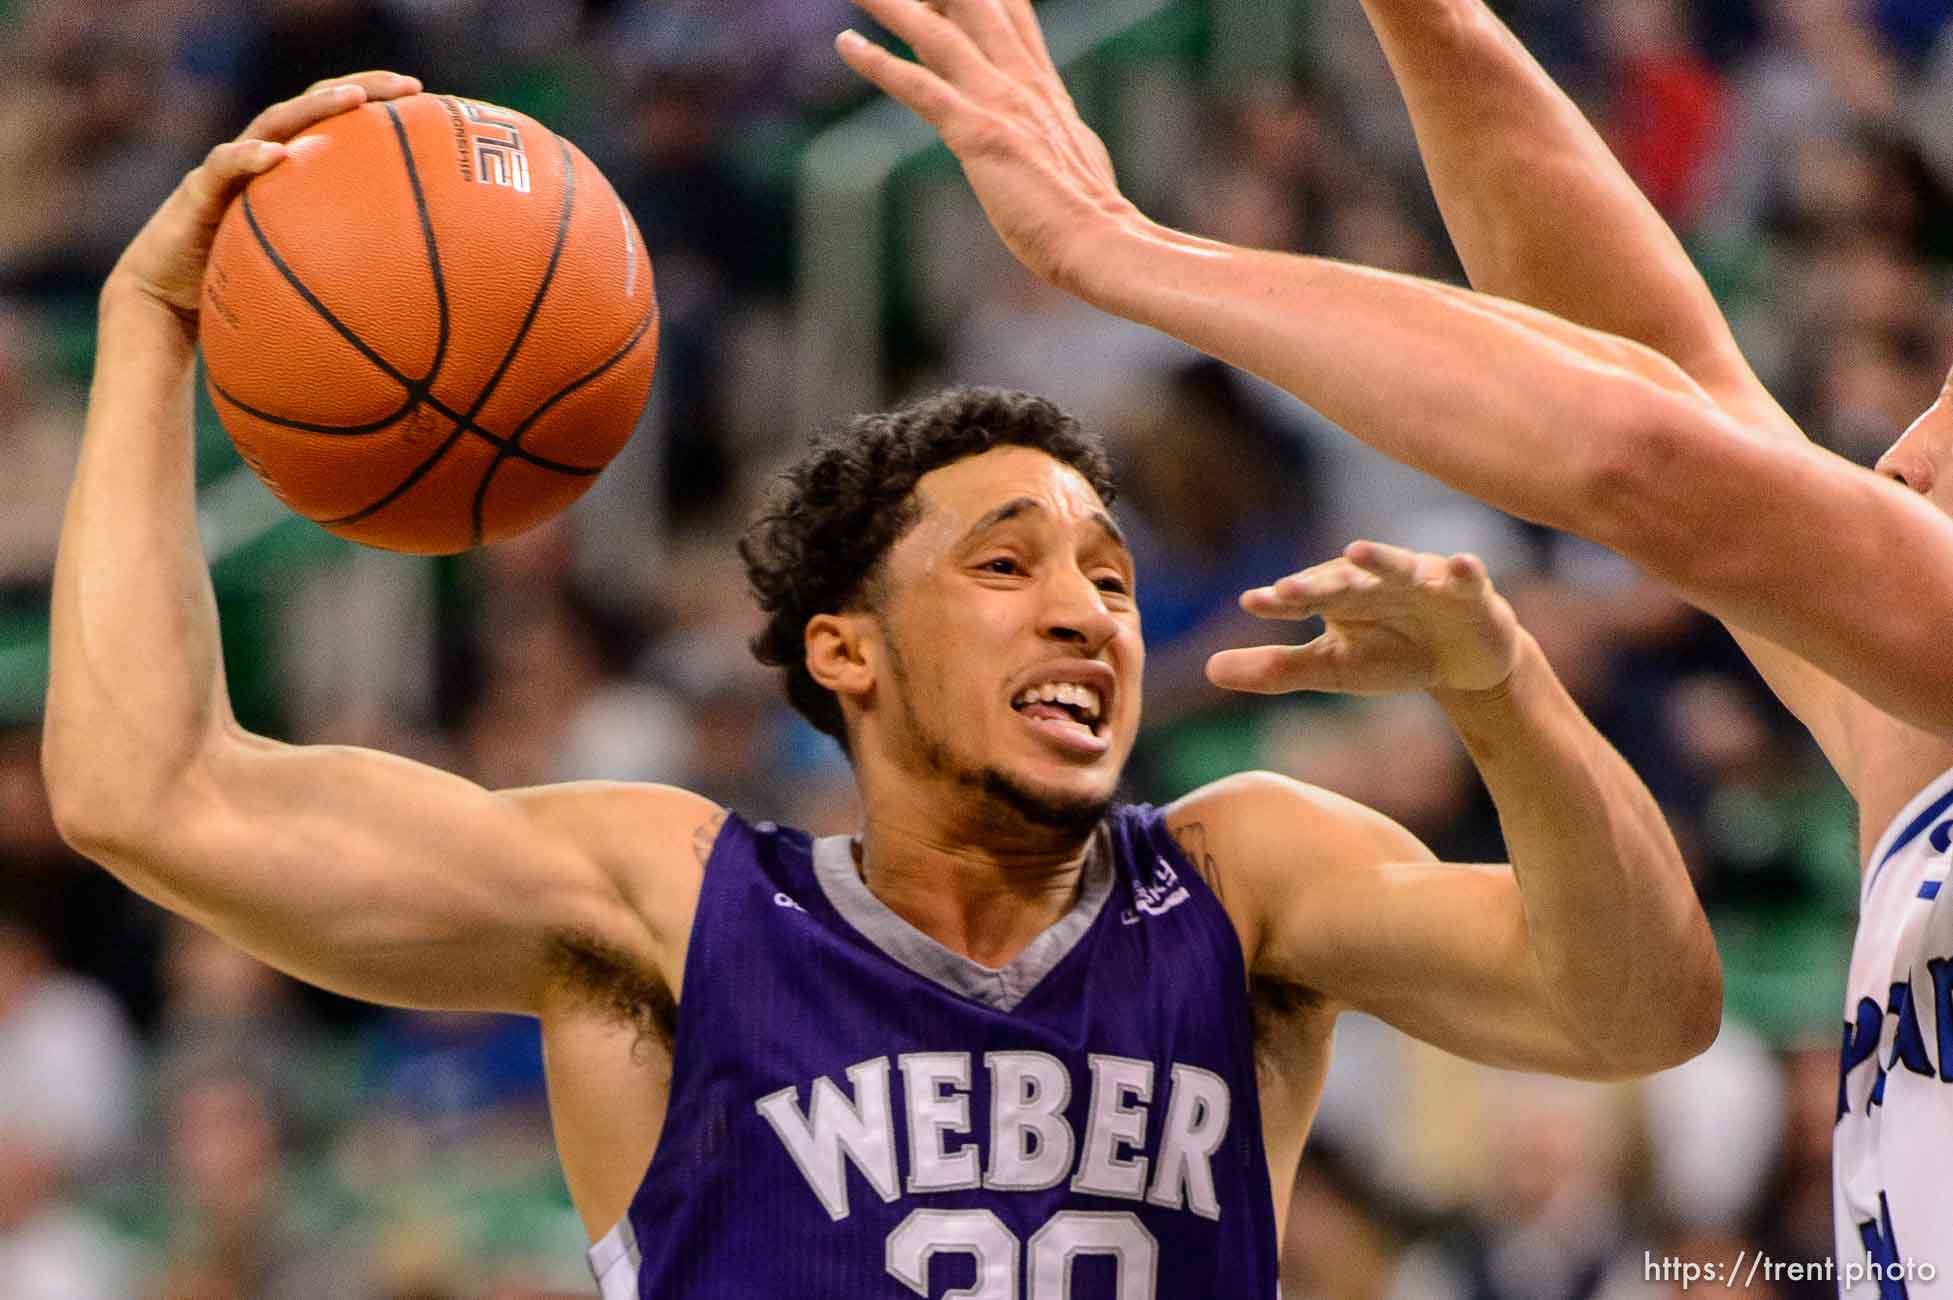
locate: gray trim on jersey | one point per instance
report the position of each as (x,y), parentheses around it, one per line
(1000,987)
(615,1261)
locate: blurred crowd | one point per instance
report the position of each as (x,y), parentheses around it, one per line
(178,1122)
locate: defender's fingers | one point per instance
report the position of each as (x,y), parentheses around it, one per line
(928,95)
(939,44)
(993,32)
(1274,669)
(1029,31)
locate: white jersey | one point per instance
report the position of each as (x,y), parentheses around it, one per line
(1892,1149)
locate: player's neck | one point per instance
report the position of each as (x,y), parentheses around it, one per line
(984,901)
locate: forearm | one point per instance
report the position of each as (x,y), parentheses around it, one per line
(1623,950)
(136,687)
(1535,202)
(1466,388)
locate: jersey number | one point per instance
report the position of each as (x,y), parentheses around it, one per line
(1068,1234)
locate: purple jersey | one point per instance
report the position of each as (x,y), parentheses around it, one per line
(858,1113)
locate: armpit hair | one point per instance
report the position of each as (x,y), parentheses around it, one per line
(608,980)
(1277,1008)
(1273,1000)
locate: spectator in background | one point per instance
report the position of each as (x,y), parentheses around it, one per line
(293,43)
(1794,1221)
(238,1226)
(67,1107)
(220,1003)
(540,675)
(105,934)
(38,421)
(1666,103)
(1550,1222)
(1198,548)
(93,128)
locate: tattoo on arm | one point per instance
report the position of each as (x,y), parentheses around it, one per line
(1192,839)
(706,834)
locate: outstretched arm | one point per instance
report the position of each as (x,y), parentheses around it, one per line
(1589,955)
(1542,212)
(1583,431)
(362,872)
(1538,207)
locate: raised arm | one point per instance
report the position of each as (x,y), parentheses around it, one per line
(1588,955)
(361,872)
(1537,205)
(1542,212)
(1583,431)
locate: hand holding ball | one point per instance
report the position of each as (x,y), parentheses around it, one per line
(430,326)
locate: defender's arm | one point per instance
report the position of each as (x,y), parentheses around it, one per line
(1475,391)
(359,871)
(1542,212)
(1536,204)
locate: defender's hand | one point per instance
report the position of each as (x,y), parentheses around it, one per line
(986,82)
(165,261)
(1395,620)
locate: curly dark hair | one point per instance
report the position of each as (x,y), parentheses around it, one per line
(829,519)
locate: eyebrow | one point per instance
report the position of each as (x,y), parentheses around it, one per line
(1025,505)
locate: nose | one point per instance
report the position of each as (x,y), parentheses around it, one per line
(1075,612)
(1915,459)
(1907,462)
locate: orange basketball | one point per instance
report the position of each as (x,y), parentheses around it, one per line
(430,326)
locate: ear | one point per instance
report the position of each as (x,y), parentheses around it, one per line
(838,654)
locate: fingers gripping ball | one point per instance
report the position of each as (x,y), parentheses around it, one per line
(430,326)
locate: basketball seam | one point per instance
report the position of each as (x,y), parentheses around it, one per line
(535,309)
(630,346)
(379,426)
(494,380)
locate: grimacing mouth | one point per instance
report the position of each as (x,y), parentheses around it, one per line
(1082,702)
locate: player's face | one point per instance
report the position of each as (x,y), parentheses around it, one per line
(1013,648)
(1922,458)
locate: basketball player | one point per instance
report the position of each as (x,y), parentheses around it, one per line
(1009,1040)
(1541,211)
(1630,418)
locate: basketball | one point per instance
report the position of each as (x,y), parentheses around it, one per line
(430,326)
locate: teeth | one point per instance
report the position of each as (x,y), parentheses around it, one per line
(1083,698)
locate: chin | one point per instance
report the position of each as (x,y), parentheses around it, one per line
(1076,811)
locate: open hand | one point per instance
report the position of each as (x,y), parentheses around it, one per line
(165,261)
(986,82)
(1394,620)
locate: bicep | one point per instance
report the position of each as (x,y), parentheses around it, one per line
(374,876)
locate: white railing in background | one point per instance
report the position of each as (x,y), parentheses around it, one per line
(845,217)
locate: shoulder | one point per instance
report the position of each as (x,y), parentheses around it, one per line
(1262,840)
(1260,817)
